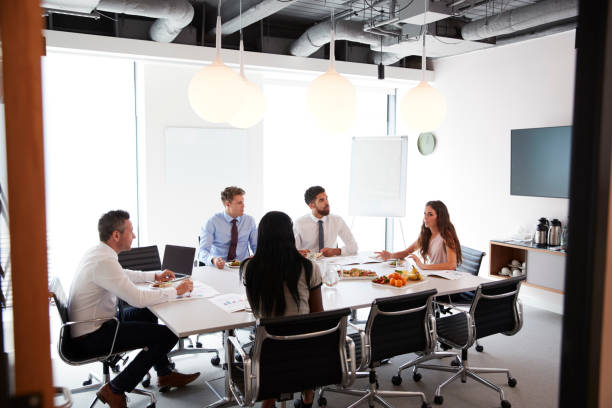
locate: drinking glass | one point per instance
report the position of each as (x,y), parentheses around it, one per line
(330,277)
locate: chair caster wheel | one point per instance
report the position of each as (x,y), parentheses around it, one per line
(425,405)
(164,389)
(479,348)
(115,368)
(87,382)
(198,344)
(438,399)
(322,402)
(146,383)
(417,377)
(505,404)
(512,382)
(151,405)
(396,380)
(215,361)
(455,363)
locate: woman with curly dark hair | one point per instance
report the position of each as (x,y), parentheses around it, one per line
(438,244)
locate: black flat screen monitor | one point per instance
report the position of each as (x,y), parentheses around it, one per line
(540,162)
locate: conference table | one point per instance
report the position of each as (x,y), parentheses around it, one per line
(201,315)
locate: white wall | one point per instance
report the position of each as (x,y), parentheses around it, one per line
(488,93)
(172,213)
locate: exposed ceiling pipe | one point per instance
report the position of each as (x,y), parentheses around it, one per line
(318,35)
(544,12)
(387,58)
(251,15)
(172,15)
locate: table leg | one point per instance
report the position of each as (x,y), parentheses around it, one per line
(228,398)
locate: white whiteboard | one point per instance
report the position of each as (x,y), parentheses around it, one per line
(378,176)
(197,154)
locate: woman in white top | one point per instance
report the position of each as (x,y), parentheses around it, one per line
(438,242)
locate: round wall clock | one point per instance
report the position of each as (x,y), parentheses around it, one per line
(426,143)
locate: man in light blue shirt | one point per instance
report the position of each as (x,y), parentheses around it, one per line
(227,235)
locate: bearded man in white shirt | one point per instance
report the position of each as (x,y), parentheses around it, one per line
(99,281)
(319,230)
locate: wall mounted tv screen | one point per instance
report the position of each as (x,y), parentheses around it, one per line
(540,162)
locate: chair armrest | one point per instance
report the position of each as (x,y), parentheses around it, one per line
(365,359)
(351,364)
(470,326)
(101,319)
(248,398)
(354,326)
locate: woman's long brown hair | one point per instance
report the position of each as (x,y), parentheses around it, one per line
(446,228)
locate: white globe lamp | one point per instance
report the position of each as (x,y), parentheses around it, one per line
(253,101)
(332,99)
(423,108)
(214,92)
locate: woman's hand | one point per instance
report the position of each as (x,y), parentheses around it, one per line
(384,255)
(416,260)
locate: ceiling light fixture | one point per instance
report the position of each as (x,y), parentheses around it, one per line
(254,103)
(331,98)
(423,108)
(215,91)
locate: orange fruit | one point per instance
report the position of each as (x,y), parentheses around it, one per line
(399,283)
(404,280)
(392,282)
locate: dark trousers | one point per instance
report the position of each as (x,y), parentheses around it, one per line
(138,330)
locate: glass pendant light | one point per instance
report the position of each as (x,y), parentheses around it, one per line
(423,108)
(331,98)
(254,103)
(215,91)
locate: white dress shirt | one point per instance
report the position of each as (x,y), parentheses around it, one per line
(99,280)
(306,230)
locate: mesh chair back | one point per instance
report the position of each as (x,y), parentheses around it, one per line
(400,333)
(471,260)
(293,365)
(59,297)
(178,259)
(495,307)
(141,259)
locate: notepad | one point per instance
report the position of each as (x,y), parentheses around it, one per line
(231,302)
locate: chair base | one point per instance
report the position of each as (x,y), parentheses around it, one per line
(182,350)
(373,394)
(105,379)
(463,371)
(436,355)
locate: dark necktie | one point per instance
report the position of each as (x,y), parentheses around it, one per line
(321,240)
(231,255)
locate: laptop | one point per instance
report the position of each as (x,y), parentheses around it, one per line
(178,259)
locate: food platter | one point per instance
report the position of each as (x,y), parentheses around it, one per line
(357,274)
(234,264)
(408,284)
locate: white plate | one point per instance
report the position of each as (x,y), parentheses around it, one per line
(233,267)
(359,277)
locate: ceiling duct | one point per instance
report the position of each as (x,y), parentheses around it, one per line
(318,35)
(543,12)
(415,12)
(253,14)
(172,15)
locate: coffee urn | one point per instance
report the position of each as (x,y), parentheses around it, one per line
(540,238)
(554,233)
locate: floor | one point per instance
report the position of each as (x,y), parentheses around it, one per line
(532,355)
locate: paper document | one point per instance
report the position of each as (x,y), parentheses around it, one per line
(451,275)
(352,260)
(200,291)
(231,302)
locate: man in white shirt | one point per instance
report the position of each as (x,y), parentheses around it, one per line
(319,231)
(99,281)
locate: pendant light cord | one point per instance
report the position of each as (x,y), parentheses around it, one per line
(218,37)
(241,44)
(423,60)
(332,56)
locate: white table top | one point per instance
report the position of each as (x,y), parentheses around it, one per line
(195,316)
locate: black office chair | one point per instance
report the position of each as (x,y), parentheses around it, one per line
(196,261)
(292,354)
(495,309)
(470,262)
(141,259)
(396,325)
(71,355)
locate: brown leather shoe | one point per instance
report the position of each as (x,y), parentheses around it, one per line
(175,379)
(107,396)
